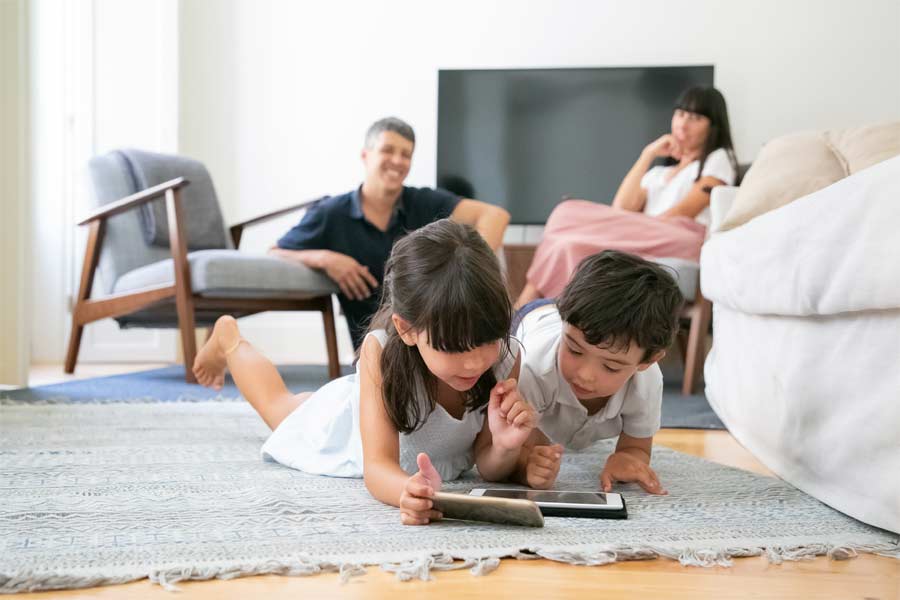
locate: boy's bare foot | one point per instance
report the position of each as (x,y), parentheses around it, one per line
(209,366)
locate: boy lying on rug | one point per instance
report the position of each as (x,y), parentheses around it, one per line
(437,353)
(590,370)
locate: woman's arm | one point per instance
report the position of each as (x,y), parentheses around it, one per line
(696,199)
(631,196)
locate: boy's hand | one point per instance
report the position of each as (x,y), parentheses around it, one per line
(415,501)
(543,466)
(621,466)
(510,417)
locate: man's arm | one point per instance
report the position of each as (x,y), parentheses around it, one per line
(354,279)
(489,220)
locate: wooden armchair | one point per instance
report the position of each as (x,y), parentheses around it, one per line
(180,284)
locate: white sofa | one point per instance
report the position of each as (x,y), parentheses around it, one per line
(805,364)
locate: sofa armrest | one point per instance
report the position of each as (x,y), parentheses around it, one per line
(720,201)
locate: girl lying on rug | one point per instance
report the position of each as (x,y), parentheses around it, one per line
(590,369)
(437,353)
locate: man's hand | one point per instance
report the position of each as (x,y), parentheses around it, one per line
(353,278)
(622,466)
(543,466)
(510,417)
(416,504)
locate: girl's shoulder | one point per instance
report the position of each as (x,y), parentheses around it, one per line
(379,334)
(371,347)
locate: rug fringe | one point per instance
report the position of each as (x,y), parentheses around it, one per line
(421,568)
(167,578)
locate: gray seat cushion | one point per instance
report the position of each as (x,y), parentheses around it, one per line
(686,273)
(233,274)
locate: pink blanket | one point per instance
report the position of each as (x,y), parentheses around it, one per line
(577,229)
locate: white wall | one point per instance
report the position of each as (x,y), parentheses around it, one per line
(104,74)
(276,95)
(13,192)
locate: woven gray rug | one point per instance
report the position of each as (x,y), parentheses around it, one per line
(94,494)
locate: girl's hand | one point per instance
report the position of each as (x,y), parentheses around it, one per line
(621,466)
(510,417)
(415,501)
(665,145)
(543,466)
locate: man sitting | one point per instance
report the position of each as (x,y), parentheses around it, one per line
(350,236)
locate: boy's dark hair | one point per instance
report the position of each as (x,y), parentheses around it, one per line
(616,299)
(445,281)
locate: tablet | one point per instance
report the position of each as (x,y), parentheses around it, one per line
(596,505)
(504,511)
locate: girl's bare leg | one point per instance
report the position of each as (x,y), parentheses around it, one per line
(529,293)
(255,376)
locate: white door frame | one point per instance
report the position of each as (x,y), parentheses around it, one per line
(83,50)
(14,192)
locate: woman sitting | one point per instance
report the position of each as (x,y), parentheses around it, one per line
(657,212)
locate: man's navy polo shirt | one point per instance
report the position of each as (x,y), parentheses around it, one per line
(337,223)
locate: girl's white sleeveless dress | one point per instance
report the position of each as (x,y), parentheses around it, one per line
(322,435)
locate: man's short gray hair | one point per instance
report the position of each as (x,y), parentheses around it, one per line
(398,126)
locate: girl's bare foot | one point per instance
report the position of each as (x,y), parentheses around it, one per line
(209,366)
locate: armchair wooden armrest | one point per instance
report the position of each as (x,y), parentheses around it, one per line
(134,200)
(237,229)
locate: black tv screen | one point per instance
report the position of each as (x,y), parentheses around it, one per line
(525,138)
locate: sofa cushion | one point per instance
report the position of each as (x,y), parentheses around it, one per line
(796,165)
(862,147)
(787,168)
(233,274)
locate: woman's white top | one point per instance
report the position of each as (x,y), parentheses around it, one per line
(322,435)
(664,193)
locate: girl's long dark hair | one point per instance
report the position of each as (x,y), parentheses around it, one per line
(709,102)
(445,281)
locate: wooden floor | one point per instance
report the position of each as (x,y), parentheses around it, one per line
(867,577)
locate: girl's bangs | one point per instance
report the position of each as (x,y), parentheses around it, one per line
(462,331)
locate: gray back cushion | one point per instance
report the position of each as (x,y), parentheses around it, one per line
(114,176)
(204,226)
(123,248)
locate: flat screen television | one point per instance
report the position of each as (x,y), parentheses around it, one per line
(525,138)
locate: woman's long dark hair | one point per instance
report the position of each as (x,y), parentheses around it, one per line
(709,102)
(445,281)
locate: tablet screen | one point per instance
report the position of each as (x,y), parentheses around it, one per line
(551,497)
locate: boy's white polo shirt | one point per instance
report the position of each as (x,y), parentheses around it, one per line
(634,409)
